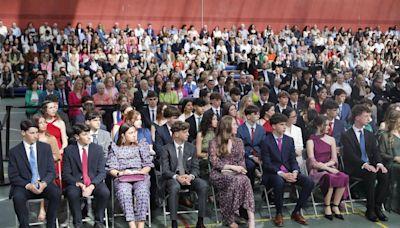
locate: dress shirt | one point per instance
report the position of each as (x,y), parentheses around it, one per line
(27,147)
(80,147)
(94,133)
(357,132)
(249,127)
(196,118)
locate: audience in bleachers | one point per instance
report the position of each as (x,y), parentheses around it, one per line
(107,80)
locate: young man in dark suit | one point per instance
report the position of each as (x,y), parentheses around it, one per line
(336,127)
(149,113)
(180,170)
(294,101)
(195,120)
(215,101)
(84,173)
(252,134)
(344,110)
(264,96)
(280,166)
(362,159)
(32,172)
(164,133)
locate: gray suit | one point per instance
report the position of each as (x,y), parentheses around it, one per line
(104,140)
(169,164)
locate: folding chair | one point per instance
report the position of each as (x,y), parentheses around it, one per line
(214,196)
(90,217)
(34,223)
(354,180)
(113,215)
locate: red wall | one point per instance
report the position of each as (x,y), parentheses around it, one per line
(345,13)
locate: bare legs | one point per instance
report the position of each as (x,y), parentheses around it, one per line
(139,224)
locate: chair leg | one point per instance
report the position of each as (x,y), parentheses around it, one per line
(350,198)
(106,217)
(149,213)
(165,212)
(215,204)
(314,204)
(268,205)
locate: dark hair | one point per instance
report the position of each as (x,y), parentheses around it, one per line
(85,99)
(283,94)
(287,111)
(293,90)
(184,103)
(179,126)
(199,102)
(92,115)
(203,93)
(52,98)
(26,124)
(251,109)
(171,111)
(329,104)
(79,128)
(215,96)
(263,90)
(358,110)
(151,94)
(122,130)
(31,83)
(205,124)
(236,91)
(265,108)
(318,121)
(278,118)
(339,92)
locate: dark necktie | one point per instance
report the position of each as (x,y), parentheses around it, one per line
(95,139)
(295,107)
(252,135)
(282,168)
(181,169)
(152,116)
(364,156)
(85,174)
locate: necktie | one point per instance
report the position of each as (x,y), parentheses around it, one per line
(217,113)
(295,107)
(252,135)
(181,170)
(330,128)
(62,96)
(221,91)
(95,139)
(86,178)
(152,116)
(33,163)
(364,156)
(282,168)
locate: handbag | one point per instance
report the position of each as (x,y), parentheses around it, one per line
(131,178)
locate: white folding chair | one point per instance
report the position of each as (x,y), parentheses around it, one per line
(214,196)
(37,222)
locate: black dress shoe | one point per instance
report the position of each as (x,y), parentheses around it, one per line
(200,225)
(329,217)
(338,216)
(380,215)
(98,225)
(174,224)
(371,216)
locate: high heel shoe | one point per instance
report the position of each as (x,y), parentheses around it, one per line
(329,217)
(338,216)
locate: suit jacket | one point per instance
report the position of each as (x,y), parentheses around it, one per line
(145,112)
(72,167)
(299,107)
(104,140)
(244,90)
(66,92)
(352,152)
(265,74)
(273,96)
(169,160)
(192,128)
(339,127)
(272,158)
(346,112)
(19,170)
(209,111)
(163,138)
(44,94)
(138,99)
(249,146)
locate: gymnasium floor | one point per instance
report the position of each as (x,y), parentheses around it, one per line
(353,220)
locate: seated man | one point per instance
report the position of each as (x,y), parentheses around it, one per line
(181,170)
(97,135)
(362,159)
(280,166)
(84,173)
(252,134)
(28,179)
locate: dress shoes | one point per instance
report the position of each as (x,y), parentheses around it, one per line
(297,217)
(200,225)
(278,221)
(381,216)
(371,216)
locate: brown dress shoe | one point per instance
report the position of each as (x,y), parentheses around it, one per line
(297,217)
(278,221)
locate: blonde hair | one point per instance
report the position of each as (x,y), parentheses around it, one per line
(224,133)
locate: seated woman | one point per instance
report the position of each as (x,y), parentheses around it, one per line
(228,174)
(389,146)
(168,95)
(267,110)
(125,109)
(295,132)
(322,166)
(230,109)
(130,157)
(160,120)
(208,126)
(32,98)
(187,109)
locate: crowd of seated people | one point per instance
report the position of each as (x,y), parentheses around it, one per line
(105,105)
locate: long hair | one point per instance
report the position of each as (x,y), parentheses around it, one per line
(44,109)
(131,117)
(224,133)
(121,134)
(35,118)
(392,123)
(206,121)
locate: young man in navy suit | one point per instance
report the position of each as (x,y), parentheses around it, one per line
(336,126)
(31,171)
(280,166)
(164,133)
(252,134)
(84,173)
(344,110)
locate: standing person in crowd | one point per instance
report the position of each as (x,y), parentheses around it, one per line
(28,179)
(180,170)
(228,174)
(362,160)
(45,137)
(97,135)
(32,98)
(389,146)
(84,173)
(266,112)
(280,166)
(323,167)
(74,98)
(130,158)
(195,120)
(295,132)
(252,134)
